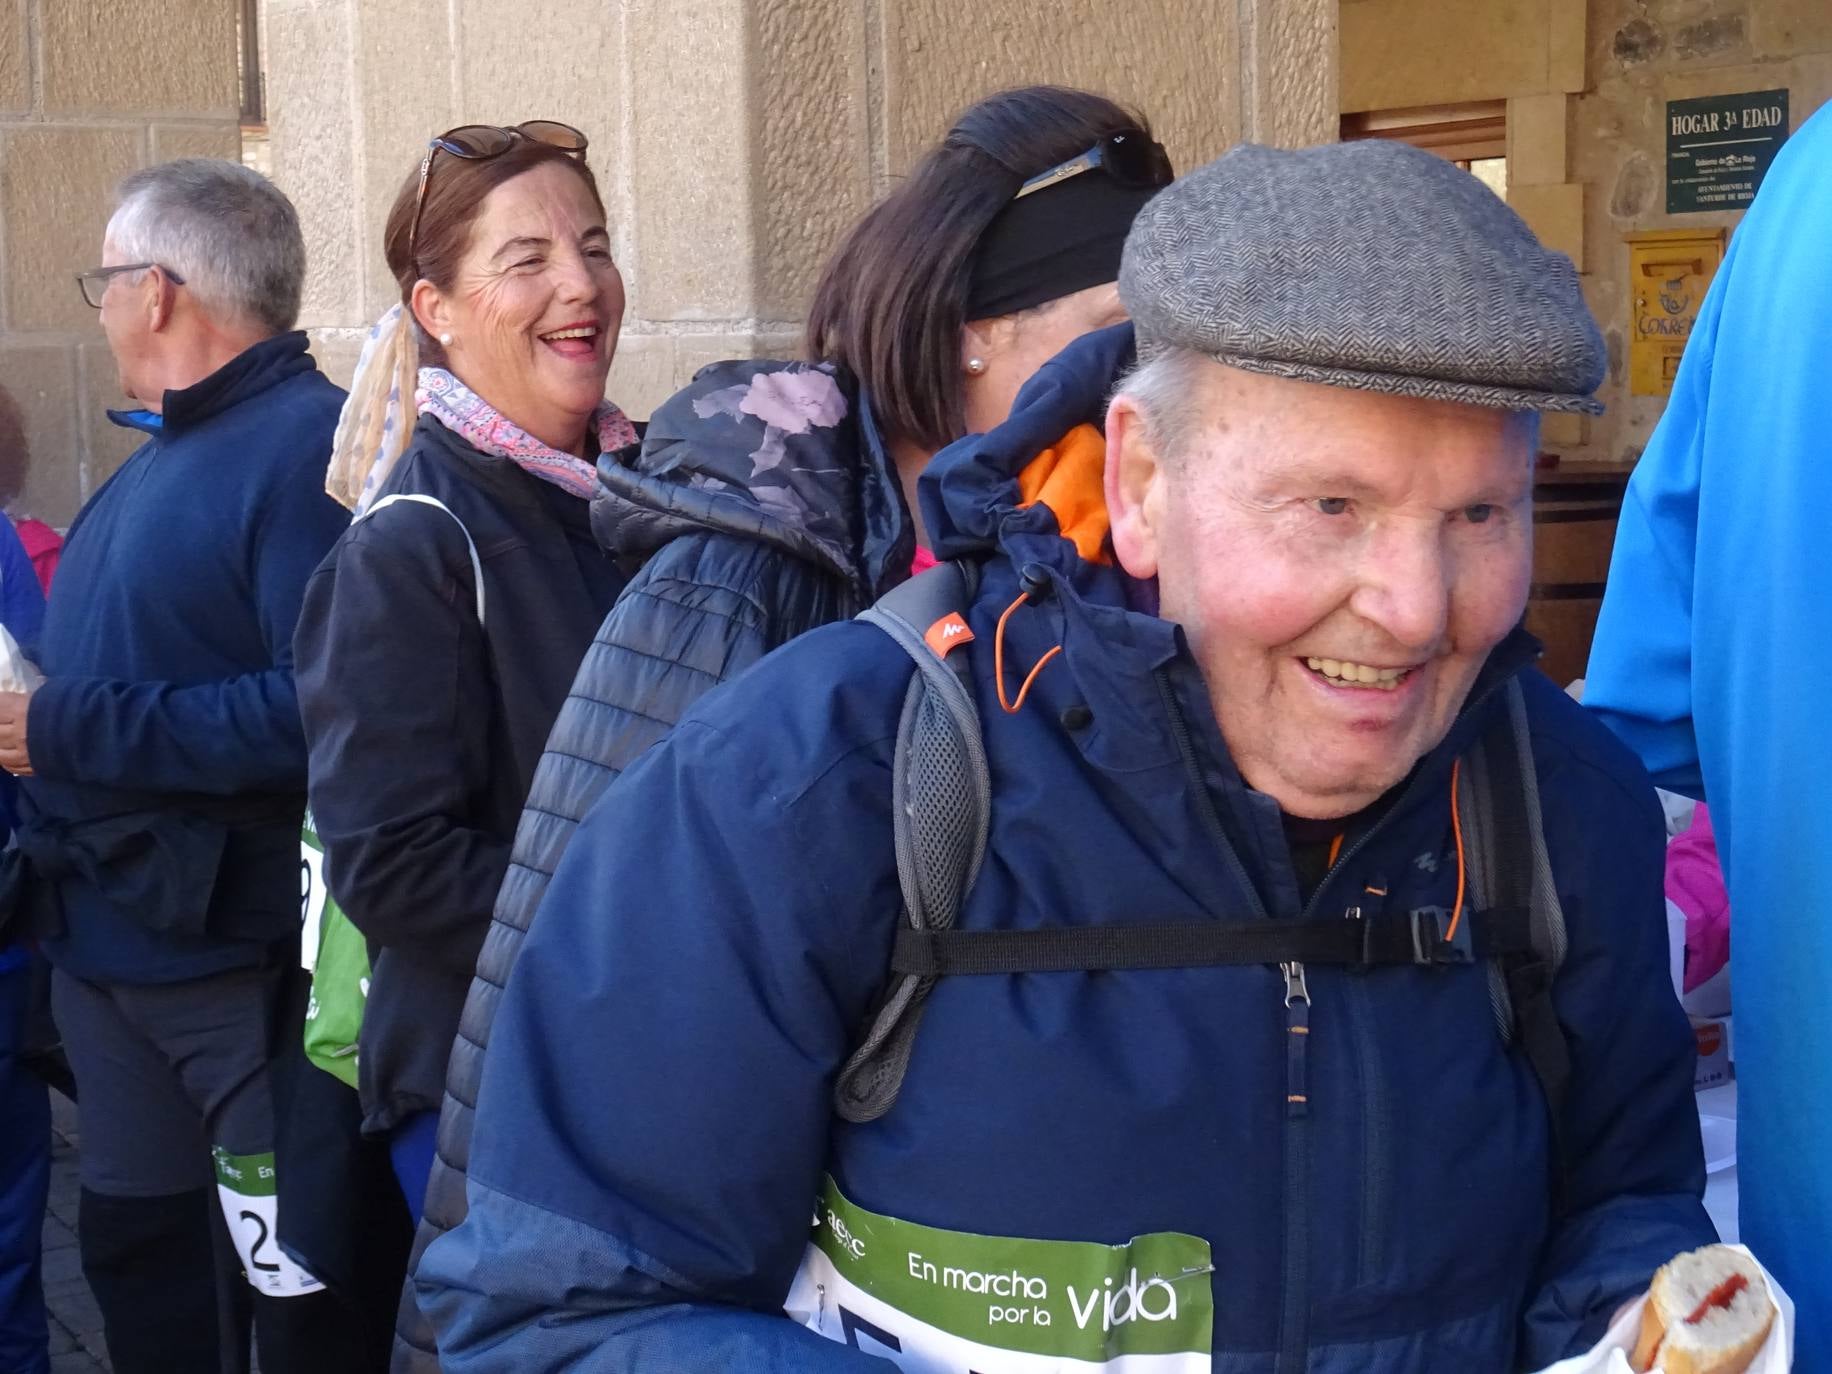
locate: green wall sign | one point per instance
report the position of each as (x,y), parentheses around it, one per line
(1719,148)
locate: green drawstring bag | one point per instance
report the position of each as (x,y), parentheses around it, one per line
(337,956)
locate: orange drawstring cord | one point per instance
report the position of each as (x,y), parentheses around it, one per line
(1335,850)
(1012,708)
(1456,829)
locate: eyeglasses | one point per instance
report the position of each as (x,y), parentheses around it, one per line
(479,142)
(94,283)
(1128,157)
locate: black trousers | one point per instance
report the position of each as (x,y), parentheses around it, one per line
(178,1222)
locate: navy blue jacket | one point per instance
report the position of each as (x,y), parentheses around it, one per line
(425,728)
(655,1116)
(22,611)
(169,759)
(740,558)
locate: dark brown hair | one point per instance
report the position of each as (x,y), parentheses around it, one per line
(892,299)
(455,192)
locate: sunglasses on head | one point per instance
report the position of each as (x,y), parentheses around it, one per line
(478,142)
(1129,157)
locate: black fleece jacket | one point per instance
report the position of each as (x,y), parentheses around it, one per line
(425,727)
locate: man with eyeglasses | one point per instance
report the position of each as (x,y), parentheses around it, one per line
(164,767)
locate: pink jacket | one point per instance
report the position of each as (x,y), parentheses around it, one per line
(1695,884)
(43,545)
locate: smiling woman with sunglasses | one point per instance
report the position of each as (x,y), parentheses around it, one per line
(439,638)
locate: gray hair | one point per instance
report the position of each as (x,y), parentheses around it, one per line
(227,230)
(1167,388)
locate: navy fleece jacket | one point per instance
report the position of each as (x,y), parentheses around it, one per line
(168,658)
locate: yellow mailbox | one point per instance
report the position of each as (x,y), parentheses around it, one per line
(1669,272)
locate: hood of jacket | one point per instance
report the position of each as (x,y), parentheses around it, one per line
(784,452)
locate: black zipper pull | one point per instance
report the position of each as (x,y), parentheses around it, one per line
(1297,1039)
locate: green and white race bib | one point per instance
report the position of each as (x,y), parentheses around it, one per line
(246,1186)
(949,1302)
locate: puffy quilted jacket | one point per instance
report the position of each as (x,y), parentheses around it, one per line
(1107,1163)
(765,506)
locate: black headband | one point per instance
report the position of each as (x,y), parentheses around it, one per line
(1057,241)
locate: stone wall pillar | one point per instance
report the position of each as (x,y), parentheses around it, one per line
(89,91)
(735,139)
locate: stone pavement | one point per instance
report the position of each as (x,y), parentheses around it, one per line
(76,1322)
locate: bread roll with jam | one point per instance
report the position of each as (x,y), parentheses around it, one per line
(1708,1312)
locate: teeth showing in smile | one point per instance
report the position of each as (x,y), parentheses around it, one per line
(1357,674)
(584,332)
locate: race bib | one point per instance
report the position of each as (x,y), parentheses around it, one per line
(245,1186)
(949,1302)
(312,894)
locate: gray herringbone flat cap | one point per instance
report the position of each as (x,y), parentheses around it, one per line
(1369,264)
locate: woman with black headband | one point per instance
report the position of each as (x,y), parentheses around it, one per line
(770,498)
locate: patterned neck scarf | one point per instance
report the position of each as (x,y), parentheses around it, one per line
(375,426)
(480,424)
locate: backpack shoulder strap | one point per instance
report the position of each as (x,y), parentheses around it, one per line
(1509,867)
(942,809)
(420,499)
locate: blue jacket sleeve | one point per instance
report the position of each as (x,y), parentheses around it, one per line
(702,610)
(22,599)
(653,1121)
(22,611)
(241,734)
(1639,679)
(1635,1171)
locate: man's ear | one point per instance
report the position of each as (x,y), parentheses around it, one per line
(1134,485)
(161,298)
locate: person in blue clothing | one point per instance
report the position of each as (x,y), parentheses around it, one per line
(1229,657)
(164,766)
(1718,573)
(25,1107)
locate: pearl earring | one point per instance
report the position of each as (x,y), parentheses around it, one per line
(445,340)
(976,366)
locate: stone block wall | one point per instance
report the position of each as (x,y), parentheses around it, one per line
(1586,84)
(89,90)
(1644,53)
(735,140)
(1404,54)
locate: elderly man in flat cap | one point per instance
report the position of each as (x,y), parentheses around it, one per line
(1182,933)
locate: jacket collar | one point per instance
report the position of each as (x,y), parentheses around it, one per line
(887,541)
(248,374)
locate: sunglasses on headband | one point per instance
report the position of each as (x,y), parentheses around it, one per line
(1128,157)
(478,142)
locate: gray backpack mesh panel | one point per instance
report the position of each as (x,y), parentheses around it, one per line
(942,805)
